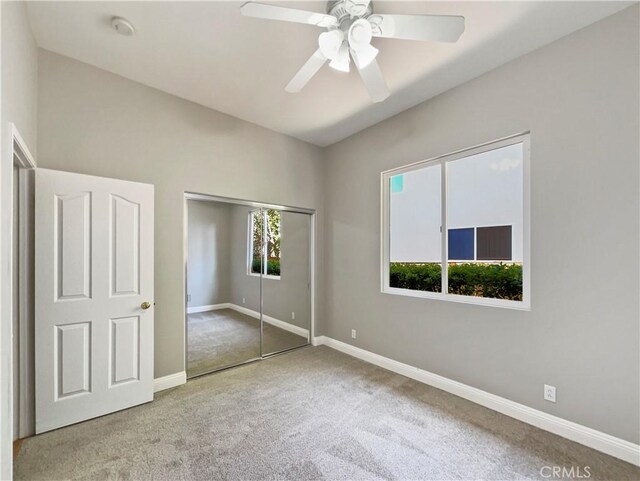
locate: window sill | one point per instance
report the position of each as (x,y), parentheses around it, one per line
(265,276)
(479,301)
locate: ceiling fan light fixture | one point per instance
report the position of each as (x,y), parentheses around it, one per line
(341,61)
(360,33)
(330,43)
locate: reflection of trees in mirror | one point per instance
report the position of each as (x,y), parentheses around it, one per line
(273,241)
(273,266)
(273,234)
(257,237)
(492,280)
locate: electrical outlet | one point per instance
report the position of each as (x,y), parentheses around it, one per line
(243,300)
(353,333)
(550,393)
(188,297)
(293,315)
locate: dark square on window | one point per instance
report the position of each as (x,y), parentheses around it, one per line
(494,243)
(461,244)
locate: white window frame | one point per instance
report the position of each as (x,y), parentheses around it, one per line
(443,160)
(264,252)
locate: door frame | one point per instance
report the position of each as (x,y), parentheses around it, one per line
(26,164)
(250,203)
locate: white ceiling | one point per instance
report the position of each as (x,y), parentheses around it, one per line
(207,53)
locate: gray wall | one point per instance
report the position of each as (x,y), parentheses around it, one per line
(209,260)
(94,122)
(579,98)
(242,284)
(18,105)
(281,296)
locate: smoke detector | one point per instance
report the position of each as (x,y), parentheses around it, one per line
(122,26)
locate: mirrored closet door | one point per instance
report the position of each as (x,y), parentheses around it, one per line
(223,302)
(286,300)
(248,285)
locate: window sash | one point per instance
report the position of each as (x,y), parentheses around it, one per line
(443,160)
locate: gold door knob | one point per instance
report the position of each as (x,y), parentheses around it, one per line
(145,305)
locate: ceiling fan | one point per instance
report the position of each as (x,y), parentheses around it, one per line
(350,26)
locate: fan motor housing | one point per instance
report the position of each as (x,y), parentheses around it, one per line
(337,8)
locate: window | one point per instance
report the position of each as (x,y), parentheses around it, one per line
(264,243)
(456,227)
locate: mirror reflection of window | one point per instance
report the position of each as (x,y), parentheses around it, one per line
(265,242)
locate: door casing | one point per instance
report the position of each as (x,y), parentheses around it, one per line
(23,371)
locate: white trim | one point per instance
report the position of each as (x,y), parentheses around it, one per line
(443,160)
(444,228)
(210,307)
(265,276)
(300,331)
(167,382)
(26,357)
(185,279)
(478,301)
(24,160)
(231,200)
(611,445)
(319,341)
(20,149)
(312,274)
(6,368)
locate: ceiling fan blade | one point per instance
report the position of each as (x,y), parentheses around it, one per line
(374,81)
(438,28)
(308,70)
(273,12)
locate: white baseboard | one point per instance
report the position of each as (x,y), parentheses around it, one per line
(300,331)
(211,307)
(167,382)
(597,440)
(318,341)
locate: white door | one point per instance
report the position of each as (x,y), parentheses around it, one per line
(94,296)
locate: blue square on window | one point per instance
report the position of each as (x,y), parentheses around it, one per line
(397,184)
(461,244)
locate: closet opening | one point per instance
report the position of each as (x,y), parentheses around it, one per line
(248,281)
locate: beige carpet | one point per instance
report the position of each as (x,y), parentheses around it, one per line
(225,337)
(311,414)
